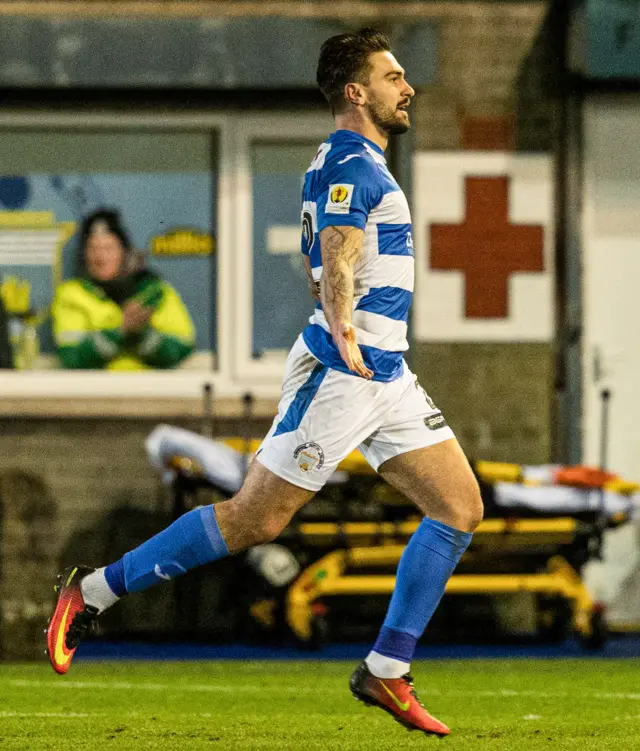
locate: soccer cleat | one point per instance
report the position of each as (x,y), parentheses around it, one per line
(396,696)
(71,620)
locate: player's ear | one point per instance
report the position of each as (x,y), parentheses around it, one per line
(354,94)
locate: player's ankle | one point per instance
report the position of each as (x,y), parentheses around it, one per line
(96,592)
(386,667)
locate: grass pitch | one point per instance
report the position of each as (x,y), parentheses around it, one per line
(499,705)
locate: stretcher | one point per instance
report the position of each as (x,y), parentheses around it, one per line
(544,523)
(348,572)
(221,464)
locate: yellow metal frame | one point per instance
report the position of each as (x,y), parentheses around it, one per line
(559,527)
(327,577)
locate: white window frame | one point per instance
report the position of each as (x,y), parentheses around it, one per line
(26,384)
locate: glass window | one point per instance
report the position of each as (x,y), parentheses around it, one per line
(164,186)
(281,303)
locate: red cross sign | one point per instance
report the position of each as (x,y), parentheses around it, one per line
(486,247)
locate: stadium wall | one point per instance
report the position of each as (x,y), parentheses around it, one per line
(90,466)
(494,94)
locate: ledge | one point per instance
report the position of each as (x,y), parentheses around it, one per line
(132,408)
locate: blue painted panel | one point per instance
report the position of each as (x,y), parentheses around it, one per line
(604,39)
(613,38)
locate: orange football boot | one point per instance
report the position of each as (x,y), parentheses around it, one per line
(396,696)
(71,620)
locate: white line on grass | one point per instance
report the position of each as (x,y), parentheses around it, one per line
(253,687)
(124,686)
(43,714)
(609,695)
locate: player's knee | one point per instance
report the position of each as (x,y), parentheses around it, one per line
(466,509)
(472,510)
(269,529)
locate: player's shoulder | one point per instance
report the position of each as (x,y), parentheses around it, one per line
(350,162)
(353,157)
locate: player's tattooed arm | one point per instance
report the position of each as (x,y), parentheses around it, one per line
(340,248)
(314,287)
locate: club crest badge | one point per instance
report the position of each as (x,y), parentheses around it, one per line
(309,456)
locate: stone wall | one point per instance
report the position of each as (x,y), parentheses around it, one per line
(493,93)
(482,50)
(496,397)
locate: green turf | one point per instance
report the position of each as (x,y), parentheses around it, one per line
(500,705)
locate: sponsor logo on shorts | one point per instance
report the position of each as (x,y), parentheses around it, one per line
(309,456)
(428,399)
(435,422)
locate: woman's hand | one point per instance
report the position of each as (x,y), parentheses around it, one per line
(135,317)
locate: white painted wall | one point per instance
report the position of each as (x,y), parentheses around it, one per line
(611,318)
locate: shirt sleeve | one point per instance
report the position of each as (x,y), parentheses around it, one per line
(354,189)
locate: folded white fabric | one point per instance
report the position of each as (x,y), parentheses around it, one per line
(563,498)
(223,466)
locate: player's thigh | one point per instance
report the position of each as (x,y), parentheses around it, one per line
(440,481)
(260,510)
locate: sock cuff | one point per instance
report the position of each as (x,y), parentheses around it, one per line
(114,576)
(400,645)
(210,523)
(448,541)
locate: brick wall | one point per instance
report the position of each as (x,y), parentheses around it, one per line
(497,397)
(76,491)
(482,48)
(90,467)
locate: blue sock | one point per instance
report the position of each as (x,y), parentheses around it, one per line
(424,569)
(192,540)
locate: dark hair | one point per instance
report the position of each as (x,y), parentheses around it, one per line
(111,218)
(345,59)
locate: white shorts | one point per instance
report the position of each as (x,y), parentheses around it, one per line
(324,415)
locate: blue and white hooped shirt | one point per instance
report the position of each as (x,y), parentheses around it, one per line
(349,184)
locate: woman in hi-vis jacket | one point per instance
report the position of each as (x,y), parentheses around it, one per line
(117,314)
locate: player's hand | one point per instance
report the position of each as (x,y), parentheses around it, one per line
(135,317)
(345,339)
(314,290)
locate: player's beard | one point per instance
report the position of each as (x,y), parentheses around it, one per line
(388,119)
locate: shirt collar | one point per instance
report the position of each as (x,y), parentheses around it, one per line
(344,134)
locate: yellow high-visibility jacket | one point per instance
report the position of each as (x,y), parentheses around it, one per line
(87,325)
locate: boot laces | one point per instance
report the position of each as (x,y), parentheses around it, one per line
(83,623)
(409,680)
